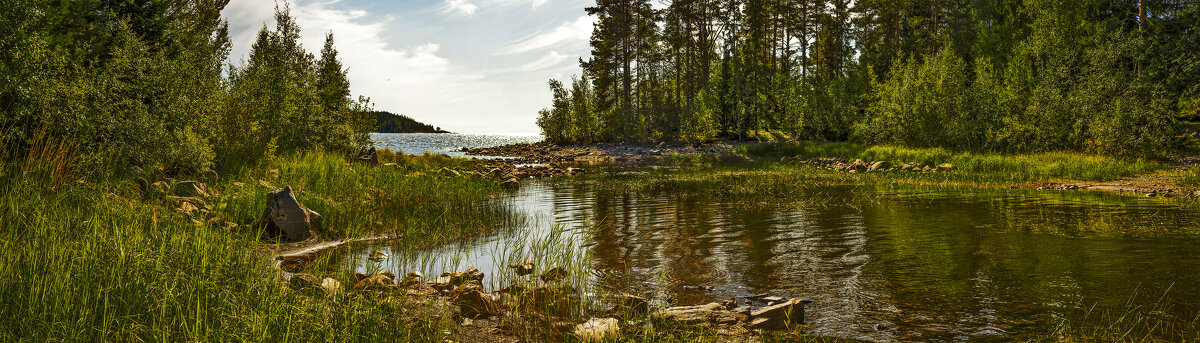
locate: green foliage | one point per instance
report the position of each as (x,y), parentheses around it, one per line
(112,264)
(142,83)
(1003,76)
(387,122)
(802,149)
(990,166)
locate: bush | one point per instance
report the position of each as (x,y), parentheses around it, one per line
(924,105)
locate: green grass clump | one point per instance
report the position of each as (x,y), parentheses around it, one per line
(89,255)
(1190,177)
(801,149)
(968,165)
(1020,167)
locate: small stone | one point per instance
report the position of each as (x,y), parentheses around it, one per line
(877,165)
(301,282)
(778,317)
(598,330)
(515,288)
(511,183)
(191,189)
(555,274)
(368,155)
(522,269)
(332,287)
(442,283)
(475,304)
(459,278)
(632,304)
(743,310)
(376,282)
(858,165)
(378,256)
(187,208)
(772,299)
(411,279)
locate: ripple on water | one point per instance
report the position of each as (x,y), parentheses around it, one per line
(884,265)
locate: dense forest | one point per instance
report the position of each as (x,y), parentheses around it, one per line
(1105,76)
(145,83)
(387,122)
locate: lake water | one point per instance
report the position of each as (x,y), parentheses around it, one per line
(443,143)
(926,263)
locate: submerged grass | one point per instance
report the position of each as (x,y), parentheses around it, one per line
(971,166)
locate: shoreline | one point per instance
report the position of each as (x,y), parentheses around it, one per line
(1152,184)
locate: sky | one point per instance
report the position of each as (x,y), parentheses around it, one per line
(467,66)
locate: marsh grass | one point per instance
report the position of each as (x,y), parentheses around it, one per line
(968,166)
(88,256)
(1190,177)
(1131,323)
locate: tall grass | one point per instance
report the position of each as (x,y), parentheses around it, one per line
(968,165)
(1132,323)
(1021,167)
(803,149)
(101,261)
(1190,177)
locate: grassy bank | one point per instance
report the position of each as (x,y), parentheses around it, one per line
(89,255)
(967,165)
(101,254)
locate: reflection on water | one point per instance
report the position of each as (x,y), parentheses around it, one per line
(949,265)
(444,143)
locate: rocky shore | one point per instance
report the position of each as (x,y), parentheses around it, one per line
(543,152)
(542,307)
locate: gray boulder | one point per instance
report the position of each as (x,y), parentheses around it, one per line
(368,155)
(288,217)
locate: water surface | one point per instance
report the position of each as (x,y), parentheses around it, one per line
(445,143)
(926,263)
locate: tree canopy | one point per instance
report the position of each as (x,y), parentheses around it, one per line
(1112,77)
(144,83)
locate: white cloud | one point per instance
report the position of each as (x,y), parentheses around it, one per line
(579,30)
(397,79)
(460,7)
(417,59)
(548,62)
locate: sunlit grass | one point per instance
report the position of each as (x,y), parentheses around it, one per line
(88,256)
(971,166)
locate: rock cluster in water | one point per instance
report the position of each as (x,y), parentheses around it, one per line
(551,308)
(860,166)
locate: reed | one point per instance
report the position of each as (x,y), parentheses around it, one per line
(104,260)
(970,166)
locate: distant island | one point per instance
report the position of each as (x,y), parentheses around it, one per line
(387,122)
